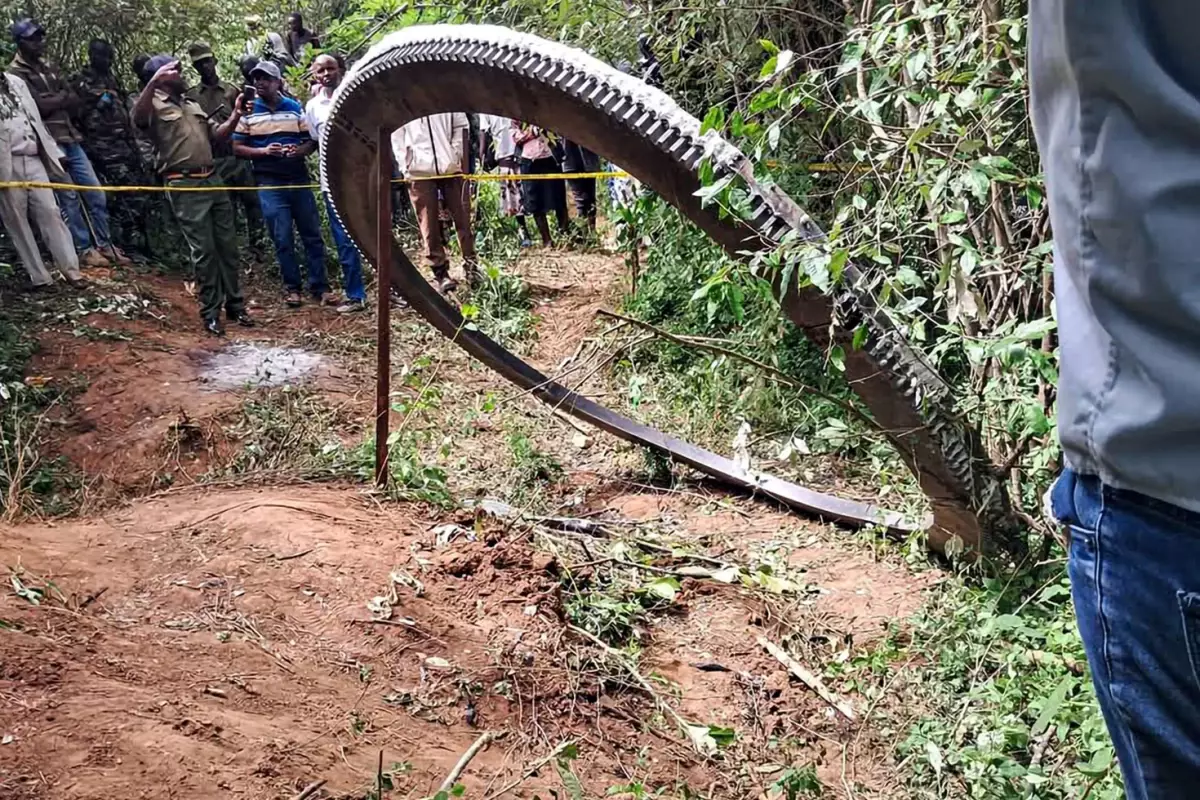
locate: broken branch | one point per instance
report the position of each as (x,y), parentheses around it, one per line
(807,678)
(484,739)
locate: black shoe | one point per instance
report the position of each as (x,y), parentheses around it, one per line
(212,326)
(446,284)
(243,319)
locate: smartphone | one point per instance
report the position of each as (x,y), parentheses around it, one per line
(249,92)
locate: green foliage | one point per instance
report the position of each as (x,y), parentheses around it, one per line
(279,429)
(532,469)
(1005,709)
(30,483)
(799,783)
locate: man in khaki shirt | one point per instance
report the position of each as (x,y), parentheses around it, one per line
(183,136)
(217,98)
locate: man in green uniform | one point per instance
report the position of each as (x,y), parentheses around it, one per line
(183,136)
(109,142)
(217,98)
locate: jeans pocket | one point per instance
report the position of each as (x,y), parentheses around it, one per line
(1189,611)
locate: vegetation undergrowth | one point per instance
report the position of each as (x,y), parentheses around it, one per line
(31,483)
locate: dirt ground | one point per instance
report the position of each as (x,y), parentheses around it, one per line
(202,640)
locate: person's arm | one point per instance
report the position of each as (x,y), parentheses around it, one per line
(243,150)
(49,102)
(222,132)
(304,149)
(143,109)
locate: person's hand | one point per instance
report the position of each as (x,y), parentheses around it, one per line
(167,73)
(239,105)
(289,151)
(276,149)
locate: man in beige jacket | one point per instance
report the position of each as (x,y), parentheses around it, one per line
(29,153)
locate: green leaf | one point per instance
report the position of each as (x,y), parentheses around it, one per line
(860,337)
(707,193)
(722,736)
(1051,706)
(664,587)
(768,69)
(815,264)
(916,64)
(569,780)
(714,120)
(837,357)
(1035,329)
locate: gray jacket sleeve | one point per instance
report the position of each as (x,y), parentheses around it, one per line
(1116,107)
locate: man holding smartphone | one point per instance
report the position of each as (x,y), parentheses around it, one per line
(217,98)
(275,138)
(183,136)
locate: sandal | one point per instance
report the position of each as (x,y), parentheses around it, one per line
(293,300)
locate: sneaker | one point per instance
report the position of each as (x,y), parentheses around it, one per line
(446,284)
(398,300)
(93,259)
(117,256)
(352,306)
(526,243)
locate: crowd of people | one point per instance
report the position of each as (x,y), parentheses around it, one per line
(253,137)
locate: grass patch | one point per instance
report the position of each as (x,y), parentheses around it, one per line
(1004,704)
(31,484)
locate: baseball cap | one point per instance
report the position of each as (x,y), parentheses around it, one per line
(268,68)
(198,51)
(252,19)
(158,62)
(26,28)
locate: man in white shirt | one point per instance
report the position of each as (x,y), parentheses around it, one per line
(503,130)
(328,70)
(29,153)
(430,150)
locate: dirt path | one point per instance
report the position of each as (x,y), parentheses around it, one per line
(210,641)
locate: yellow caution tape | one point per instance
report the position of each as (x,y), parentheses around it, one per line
(469,177)
(476,177)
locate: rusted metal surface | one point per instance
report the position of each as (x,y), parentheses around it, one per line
(433,69)
(383,306)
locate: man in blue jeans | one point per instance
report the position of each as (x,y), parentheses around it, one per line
(1116,107)
(328,69)
(274,136)
(57,102)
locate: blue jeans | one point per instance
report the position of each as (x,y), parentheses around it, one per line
(1135,578)
(352,280)
(281,208)
(79,168)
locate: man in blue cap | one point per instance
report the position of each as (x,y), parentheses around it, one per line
(58,103)
(182,135)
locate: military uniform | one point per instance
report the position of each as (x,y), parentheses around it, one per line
(110,145)
(218,103)
(182,136)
